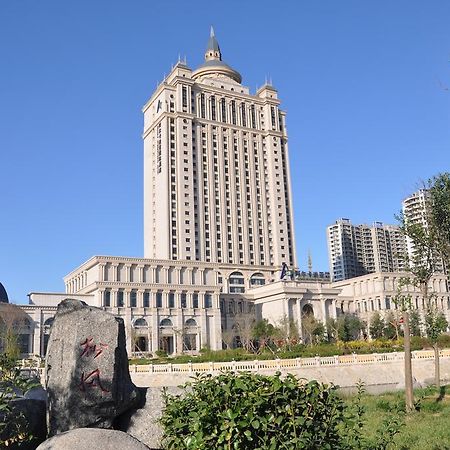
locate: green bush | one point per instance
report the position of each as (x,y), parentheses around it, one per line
(13,425)
(249,411)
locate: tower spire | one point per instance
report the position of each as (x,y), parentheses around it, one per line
(213,49)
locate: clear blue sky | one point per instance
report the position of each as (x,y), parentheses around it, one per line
(363,83)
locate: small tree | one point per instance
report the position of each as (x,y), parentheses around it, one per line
(263,331)
(244,323)
(415,323)
(350,327)
(12,321)
(313,329)
(286,333)
(392,326)
(377,326)
(435,325)
(439,214)
(228,337)
(403,301)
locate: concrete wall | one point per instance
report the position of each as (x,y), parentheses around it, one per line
(376,377)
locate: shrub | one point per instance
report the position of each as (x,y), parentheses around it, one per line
(249,411)
(13,425)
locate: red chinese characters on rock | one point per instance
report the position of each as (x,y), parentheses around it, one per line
(91,379)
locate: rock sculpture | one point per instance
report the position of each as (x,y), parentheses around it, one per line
(88,381)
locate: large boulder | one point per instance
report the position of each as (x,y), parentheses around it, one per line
(87,377)
(92,438)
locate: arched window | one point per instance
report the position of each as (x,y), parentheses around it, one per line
(307,310)
(236,283)
(191,323)
(140,323)
(48,324)
(165,323)
(257,279)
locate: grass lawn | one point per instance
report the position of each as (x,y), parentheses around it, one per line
(426,429)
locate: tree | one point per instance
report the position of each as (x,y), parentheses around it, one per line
(12,321)
(228,337)
(430,240)
(415,323)
(314,330)
(403,301)
(439,214)
(377,325)
(392,326)
(435,325)
(286,333)
(243,324)
(350,327)
(263,331)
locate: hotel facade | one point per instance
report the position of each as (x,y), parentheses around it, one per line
(218,226)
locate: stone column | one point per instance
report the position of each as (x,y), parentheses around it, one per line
(113,298)
(37,336)
(101,297)
(155,329)
(324,310)
(178,329)
(140,273)
(299,317)
(140,298)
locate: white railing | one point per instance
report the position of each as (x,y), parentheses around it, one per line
(268,365)
(284,364)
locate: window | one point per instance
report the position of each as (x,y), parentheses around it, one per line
(183,300)
(233,112)
(171,300)
(159,299)
(202,106)
(184,95)
(107,299)
(236,282)
(133,299)
(253,116)
(120,302)
(243,116)
(165,323)
(223,106)
(146,299)
(213,107)
(208,301)
(257,279)
(195,301)
(140,323)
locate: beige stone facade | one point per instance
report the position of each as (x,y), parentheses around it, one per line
(218,227)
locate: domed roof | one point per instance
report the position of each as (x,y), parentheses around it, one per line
(3,294)
(213,64)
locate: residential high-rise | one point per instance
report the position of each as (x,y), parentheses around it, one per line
(216,170)
(356,250)
(414,210)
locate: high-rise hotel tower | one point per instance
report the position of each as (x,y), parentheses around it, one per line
(216,169)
